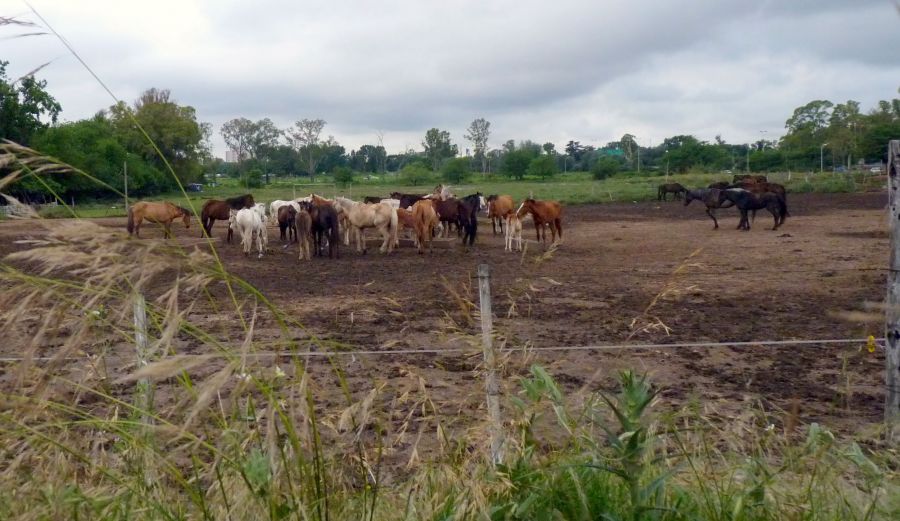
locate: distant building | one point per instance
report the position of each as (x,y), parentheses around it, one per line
(231,156)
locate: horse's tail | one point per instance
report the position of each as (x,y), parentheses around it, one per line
(782,204)
(394,226)
(130,220)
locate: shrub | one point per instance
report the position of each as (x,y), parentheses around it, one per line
(515,163)
(543,167)
(414,175)
(457,170)
(251,178)
(604,168)
(343,175)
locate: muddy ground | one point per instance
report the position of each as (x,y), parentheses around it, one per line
(639,273)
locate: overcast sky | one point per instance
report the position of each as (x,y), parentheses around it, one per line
(547,71)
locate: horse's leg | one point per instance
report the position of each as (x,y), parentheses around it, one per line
(167,231)
(712,216)
(137,226)
(775,214)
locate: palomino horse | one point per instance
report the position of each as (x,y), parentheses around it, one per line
(513,231)
(498,207)
(219,210)
(670,188)
(712,197)
(746,201)
(361,216)
(159,212)
(543,212)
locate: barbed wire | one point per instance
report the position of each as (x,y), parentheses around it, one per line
(460,350)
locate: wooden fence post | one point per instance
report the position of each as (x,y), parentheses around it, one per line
(490,363)
(143,392)
(892,313)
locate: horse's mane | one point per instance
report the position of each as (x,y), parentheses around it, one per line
(239,201)
(492,197)
(185,210)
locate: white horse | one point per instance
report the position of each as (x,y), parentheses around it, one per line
(360,216)
(393,203)
(513,232)
(250,226)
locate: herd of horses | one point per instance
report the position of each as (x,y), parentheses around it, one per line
(316,223)
(748,193)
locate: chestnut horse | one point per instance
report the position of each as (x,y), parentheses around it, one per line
(543,212)
(498,207)
(215,209)
(161,212)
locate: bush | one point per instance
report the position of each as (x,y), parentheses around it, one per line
(343,175)
(605,167)
(457,170)
(251,178)
(515,163)
(543,167)
(414,175)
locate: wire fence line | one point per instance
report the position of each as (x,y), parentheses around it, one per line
(473,350)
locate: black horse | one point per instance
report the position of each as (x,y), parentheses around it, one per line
(324,227)
(467,216)
(747,201)
(670,188)
(406,200)
(712,197)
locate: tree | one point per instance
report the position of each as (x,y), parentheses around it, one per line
(456,170)
(574,149)
(248,139)
(23,104)
(605,167)
(414,175)
(549,148)
(173,131)
(343,175)
(515,163)
(629,146)
(438,148)
(252,178)
(304,137)
(478,133)
(543,166)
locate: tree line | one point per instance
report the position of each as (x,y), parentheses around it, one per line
(820,134)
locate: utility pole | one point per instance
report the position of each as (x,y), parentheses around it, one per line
(892,309)
(822,157)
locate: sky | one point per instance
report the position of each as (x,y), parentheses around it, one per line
(588,71)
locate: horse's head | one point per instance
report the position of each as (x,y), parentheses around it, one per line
(524,207)
(186,216)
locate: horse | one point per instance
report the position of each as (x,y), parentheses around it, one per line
(746,201)
(670,188)
(360,216)
(286,219)
(251,226)
(372,199)
(162,212)
(498,207)
(721,185)
(760,187)
(442,192)
(274,206)
(467,215)
(712,197)
(513,232)
(215,209)
(324,226)
(405,219)
(543,213)
(426,219)
(406,200)
(751,178)
(448,212)
(302,228)
(393,203)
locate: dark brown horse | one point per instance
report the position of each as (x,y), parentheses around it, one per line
(161,212)
(324,226)
(215,209)
(721,185)
(286,216)
(747,201)
(670,188)
(712,197)
(543,213)
(406,200)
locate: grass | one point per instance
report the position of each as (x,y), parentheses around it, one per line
(231,436)
(571,188)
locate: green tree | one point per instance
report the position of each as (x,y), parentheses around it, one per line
(414,175)
(252,178)
(343,175)
(515,163)
(438,148)
(23,104)
(457,170)
(171,127)
(304,137)
(478,133)
(543,166)
(549,148)
(605,167)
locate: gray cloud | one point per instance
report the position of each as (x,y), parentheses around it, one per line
(567,70)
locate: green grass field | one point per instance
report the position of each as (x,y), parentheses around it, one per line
(571,188)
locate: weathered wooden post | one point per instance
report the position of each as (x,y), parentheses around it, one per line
(490,363)
(892,313)
(144,392)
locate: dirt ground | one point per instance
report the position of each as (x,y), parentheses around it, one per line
(639,273)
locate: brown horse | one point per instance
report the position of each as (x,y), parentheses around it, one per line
(161,212)
(498,207)
(670,188)
(215,209)
(543,213)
